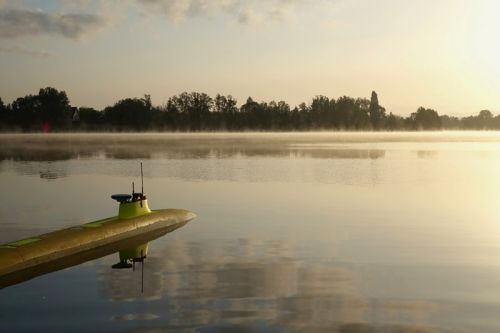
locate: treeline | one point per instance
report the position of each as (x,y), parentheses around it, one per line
(50,110)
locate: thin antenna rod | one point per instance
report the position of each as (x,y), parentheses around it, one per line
(142,181)
(142,186)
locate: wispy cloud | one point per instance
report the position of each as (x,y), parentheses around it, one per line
(26,51)
(245,12)
(248,16)
(15,23)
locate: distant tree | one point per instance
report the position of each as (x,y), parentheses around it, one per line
(469,123)
(177,115)
(191,111)
(3,113)
(495,122)
(377,113)
(225,105)
(147,101)
(485,119)
(91,116)
(347,112)
(249,106)
(322,112)
(426,119)
(392,122)
(450,122)
(361,117)
(298,118)
(54,108)
(130,113)
(254,115)
(25,112)
(485,114)
(50,109)
(225,109)
(279,114)
(199,112)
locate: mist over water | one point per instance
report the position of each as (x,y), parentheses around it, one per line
(309,232)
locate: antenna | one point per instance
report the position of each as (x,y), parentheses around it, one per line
(142,186)
(142,182)
(133,191)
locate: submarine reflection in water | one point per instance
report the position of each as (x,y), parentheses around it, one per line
(128,233)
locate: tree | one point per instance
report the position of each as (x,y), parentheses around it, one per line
(190,111)
(377,113)
(130,113)
(225,110)
(90,116)
(253,115)
(394,122)
(484,119)
(450,122)
(321,112)
(426,119)
(225,105)
(3,113)
(344,112)
(361,117)
(279,113)
(48,110)
(53,108)
(24,112)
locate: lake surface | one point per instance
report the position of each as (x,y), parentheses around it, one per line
(314,232)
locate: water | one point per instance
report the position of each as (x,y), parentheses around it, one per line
(315,232)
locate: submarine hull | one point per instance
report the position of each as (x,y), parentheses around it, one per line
(31,257)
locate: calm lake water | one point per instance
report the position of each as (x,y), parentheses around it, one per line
(316,232)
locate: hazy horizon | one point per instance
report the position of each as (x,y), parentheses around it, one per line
(440,54)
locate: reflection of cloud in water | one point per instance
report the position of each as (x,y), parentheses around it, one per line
(215,288)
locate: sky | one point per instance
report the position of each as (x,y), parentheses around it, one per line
(440,54)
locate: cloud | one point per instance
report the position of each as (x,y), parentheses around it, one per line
(246,12)
(249,17)
(15,23)
(179,10)
(26,51)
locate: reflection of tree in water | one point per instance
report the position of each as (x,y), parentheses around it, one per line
(245,286)
(45,170)
(426,154)
(131,146)
(33,155)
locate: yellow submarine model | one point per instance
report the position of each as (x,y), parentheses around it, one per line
(128,233)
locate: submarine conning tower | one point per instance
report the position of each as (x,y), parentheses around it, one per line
(131,205)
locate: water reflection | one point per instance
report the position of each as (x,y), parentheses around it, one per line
(414,223)
(60,148)
(77,258)
(208,287)
(426,154)
(47,170)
